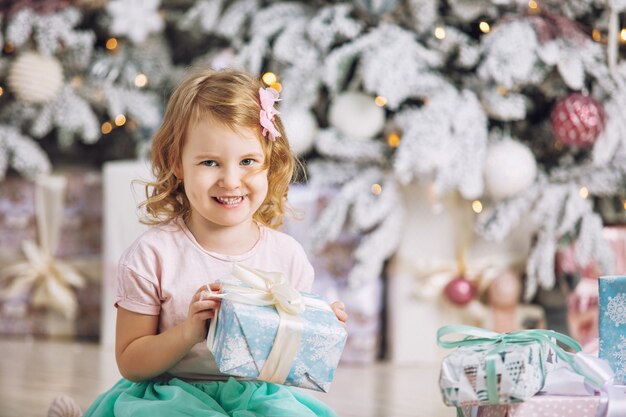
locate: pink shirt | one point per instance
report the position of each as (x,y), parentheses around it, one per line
(159,273)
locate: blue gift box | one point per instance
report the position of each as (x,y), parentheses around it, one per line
(245,334)
(612,300)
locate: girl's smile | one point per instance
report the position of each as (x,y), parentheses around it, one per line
(230,202)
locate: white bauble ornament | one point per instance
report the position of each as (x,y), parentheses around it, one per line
(301,128)
(510,168)
(356,115)
(35,78)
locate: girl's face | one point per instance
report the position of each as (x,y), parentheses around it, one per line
(222,175)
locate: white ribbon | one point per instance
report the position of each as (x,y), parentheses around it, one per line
(49,280)
(270,289)
(565,381)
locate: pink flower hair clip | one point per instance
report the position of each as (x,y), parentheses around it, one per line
(268,96)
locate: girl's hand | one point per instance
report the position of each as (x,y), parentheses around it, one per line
(340,311)
(201,309)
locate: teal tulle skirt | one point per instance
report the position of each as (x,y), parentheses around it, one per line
(206,399)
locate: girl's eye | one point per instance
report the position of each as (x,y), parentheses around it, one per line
(247,162)
(209,163)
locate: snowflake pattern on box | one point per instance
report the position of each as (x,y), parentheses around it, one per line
(616,309)
(612,301)
(620,357)
(520,372)
(245,335)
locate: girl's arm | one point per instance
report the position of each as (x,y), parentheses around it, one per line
(141,353)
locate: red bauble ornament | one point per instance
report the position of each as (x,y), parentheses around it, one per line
(578,120)
(460,291)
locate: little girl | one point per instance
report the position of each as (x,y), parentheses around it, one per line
(222,166)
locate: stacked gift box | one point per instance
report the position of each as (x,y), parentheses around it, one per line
(78,245)
(539,373)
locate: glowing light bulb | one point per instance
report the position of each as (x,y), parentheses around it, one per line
(584,192)
(141,80)
(106,128)
(120,120)
(622,35)
(393,140)
(477,206)
(1,91)
(269,78)
(440,32)
(377,189)
(484,27)
(111,44)
(380,101)
(533,4)
(596,35)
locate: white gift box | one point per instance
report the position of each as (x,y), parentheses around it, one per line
(121,227)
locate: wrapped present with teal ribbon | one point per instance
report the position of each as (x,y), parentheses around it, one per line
(612,302)
(494,368)
(266,330)
(587,391)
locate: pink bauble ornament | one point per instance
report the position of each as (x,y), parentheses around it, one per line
(578,120)
(460,291)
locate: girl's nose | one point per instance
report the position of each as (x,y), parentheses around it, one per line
(230,179)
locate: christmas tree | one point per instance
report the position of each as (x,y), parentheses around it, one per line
(513,104)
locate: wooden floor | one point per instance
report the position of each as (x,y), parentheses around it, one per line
(33,372)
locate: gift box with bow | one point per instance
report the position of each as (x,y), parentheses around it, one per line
(585,392)
(47,285)
(267,330)
(491,368)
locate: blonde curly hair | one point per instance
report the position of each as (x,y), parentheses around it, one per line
(230,97)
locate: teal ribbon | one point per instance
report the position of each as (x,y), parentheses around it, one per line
(477,336)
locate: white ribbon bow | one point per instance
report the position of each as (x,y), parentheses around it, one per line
(49,280)
(270,288)
(565,381)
